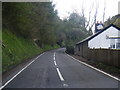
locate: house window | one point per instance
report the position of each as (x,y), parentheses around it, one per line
(115,43)
(118,45)
(112,46)
(112,43)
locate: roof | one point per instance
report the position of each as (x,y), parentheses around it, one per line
(90,37)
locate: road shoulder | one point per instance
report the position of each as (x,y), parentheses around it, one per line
(9,74)
(114,71)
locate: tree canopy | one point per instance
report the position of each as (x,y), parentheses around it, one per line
(40,22)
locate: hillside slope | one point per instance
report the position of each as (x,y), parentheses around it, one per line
(17,49)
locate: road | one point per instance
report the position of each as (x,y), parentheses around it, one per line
(55,69)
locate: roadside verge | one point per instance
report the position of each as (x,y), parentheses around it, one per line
(91,66)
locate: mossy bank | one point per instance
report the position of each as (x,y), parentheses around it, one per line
(16,49)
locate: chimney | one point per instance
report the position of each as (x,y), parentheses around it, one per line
(98,26)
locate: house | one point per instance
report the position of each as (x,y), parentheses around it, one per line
(103,46)
(106,38)
(109,37)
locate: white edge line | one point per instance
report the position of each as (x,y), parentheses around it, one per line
(60,75)
(54,58)
(55,63)
(19,72)
(65,85)
(95,68)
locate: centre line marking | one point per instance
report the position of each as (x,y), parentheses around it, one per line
(54,58)
(54,54)
(55,63)
(60,75)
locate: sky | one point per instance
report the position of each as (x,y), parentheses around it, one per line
(65,7)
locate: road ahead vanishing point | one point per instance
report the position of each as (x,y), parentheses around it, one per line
(55,69)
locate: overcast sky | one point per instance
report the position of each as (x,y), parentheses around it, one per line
(65,7)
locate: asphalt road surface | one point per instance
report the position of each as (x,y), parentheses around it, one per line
(55,69)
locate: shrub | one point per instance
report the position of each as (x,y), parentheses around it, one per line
(69,49)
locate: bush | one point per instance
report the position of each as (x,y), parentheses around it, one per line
(69,49)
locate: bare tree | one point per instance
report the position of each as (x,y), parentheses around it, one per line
(92,15)
(83,13)
(104,10)
(89,18)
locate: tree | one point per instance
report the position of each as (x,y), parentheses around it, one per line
(71,30)
(31,20)
(104,10)
(92,15)
(113,20)
(40,22)
(16,17)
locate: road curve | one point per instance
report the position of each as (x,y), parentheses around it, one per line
(55,69)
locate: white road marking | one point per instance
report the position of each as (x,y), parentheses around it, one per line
(54,58)
(65,85)
(60,75)
(55,63)
(95,68)
(54,54)
(19,72)
(38,56)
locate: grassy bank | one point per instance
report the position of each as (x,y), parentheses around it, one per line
(17,49)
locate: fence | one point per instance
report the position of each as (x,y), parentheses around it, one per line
(108,56)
